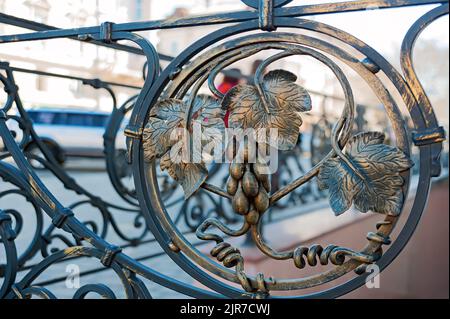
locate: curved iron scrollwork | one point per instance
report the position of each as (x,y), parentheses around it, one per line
(350,164)
(368,166)
(46,158)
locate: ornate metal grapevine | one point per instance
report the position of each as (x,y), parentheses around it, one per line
(177,134)
(360,170)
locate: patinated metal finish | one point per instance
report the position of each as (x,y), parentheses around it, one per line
(350,164)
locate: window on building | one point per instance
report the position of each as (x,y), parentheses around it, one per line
(174,48)
(78,19)
(39,10)
(75,87)
(138,7)
(2,9)
(41,83)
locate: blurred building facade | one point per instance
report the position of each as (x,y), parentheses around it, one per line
(72,57)
(173,41)
(312,74)
(77,58)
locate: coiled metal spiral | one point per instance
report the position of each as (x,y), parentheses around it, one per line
(335,254)
(231,257)
(227,254)
(310,255)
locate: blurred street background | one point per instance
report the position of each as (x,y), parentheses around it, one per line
(53,98)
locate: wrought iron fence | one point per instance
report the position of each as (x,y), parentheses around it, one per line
(171,202)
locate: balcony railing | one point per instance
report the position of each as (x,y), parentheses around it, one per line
(336,158)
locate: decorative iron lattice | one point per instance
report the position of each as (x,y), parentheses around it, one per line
(350,165)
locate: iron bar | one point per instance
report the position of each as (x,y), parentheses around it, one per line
(68,77)
(36,26)
(86,33)
(377,182)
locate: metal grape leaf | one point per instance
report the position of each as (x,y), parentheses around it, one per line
(189,175)
(285,101)
(380,164)
(165,117)
(166,136)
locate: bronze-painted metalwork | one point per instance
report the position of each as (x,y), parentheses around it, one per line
(350,164)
